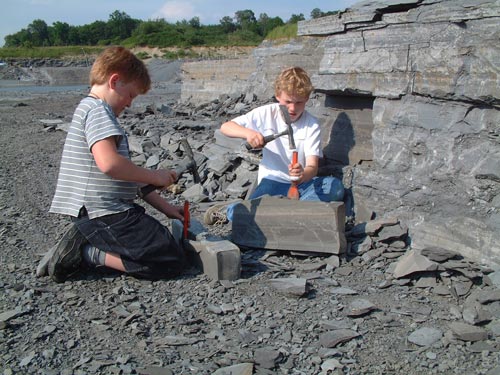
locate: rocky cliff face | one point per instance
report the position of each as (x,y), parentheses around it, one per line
(408,95)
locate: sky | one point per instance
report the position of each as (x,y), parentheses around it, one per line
(18,14)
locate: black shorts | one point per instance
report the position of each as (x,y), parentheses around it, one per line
(147,248)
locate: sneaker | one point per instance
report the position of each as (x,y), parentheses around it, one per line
(43,266)
(216,214)
(67,257)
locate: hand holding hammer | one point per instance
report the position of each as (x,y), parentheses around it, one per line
(187,165)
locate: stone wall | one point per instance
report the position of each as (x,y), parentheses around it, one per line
(408,95)
(204,80)
(432,67)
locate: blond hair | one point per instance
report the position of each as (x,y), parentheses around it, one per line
(293,81)
(123,62)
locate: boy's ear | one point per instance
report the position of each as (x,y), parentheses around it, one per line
(113,80)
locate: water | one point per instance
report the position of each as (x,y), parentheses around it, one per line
(14,86)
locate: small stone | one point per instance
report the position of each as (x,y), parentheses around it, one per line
(331,365)
(290,286)
(154,370)
(267,357)
(359,307)
(239,369)
(438,254)
(332,338)
(431,355)
(27,360)
(425,336)
(343,291)
(467,332)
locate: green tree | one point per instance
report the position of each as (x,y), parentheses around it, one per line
(91,34)
(227,24)
(149,27)
(296,18)
(74,37)
(242,29)
(39,32)
(245,19)
(266,23)
(195,22)
(316,13)
(330,13)
(120,25)
(19,39)
(59,33)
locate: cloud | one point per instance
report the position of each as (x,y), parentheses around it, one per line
(176,11)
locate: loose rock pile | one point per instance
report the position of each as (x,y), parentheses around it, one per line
(384,309)
(226,168)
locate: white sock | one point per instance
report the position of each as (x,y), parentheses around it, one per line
(93,256)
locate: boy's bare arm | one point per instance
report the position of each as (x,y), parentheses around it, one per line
(110,162)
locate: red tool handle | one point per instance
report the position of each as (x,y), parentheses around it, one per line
(293,191)
(187,218)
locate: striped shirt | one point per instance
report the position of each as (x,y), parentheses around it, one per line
(80,182)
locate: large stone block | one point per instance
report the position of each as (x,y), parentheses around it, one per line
(219,260)
(284,224)
(470,237)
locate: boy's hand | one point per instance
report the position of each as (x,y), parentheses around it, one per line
(175,212)
(164,178)
(255,139)
(296,171)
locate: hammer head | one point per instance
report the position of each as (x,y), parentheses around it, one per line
(190,162)
(288,122)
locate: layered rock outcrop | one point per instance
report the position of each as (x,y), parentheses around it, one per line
(408,95)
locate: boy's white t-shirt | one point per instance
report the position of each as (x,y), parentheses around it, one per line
(276,155)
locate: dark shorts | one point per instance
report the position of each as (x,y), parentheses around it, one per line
(147,248)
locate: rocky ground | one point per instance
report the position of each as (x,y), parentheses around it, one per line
(361,317)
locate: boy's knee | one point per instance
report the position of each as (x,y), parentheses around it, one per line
(336,190)
(340,192)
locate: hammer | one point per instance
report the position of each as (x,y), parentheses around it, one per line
(272,137)
(269,138)
(188,165)
(293,191)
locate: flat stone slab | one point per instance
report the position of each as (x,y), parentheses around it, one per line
(275,223)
